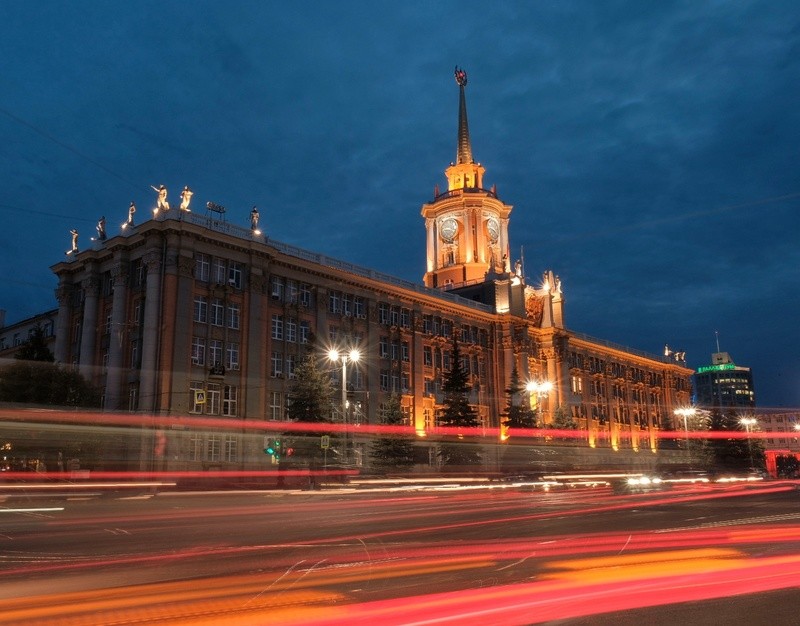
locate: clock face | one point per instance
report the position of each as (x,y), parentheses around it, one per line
(448,229)
(493,228)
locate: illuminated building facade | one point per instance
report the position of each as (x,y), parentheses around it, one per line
(724,384)
(185,306)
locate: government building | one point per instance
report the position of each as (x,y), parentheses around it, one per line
(185,315)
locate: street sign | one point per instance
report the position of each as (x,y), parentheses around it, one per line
(325,442)
(199,396)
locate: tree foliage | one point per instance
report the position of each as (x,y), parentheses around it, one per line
(518,413)
(40,382)
(393,451)
(456,412)
(310,401)
(737,454)
(36,347)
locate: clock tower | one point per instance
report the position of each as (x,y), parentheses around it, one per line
(467,225)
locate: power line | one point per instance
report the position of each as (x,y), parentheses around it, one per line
(9,207)
(66,146)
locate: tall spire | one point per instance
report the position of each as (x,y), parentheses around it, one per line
(464,154)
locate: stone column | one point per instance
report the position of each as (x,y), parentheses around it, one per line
(63,295)
(150,331)
(91,289)
(430,225)
(119,335)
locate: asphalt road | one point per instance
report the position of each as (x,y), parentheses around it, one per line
(695,554)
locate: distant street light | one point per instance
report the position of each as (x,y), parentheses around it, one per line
(686,413)
(748,423)
(540,389)
(352,357)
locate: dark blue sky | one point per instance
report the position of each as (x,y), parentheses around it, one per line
(650,150)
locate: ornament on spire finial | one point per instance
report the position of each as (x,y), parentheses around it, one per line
(461,77)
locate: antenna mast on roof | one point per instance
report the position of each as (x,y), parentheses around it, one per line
(716,333)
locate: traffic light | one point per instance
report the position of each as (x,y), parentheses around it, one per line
(273,447)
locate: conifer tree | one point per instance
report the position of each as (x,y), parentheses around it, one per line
(35,349)
(393,451)
(457,412)
(310,401)
(518,413)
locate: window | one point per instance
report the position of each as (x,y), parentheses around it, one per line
(275,405)
(202,267)
(428,386)
(383,347)
(198,351)
(384,380)
(359,308)
(230,400)
(235,275)
(405,383)
(196,447)
(219,271)
(231,448)
(333,334)
(383,313)
(195,386)
(138,273)
(305,295)
(200,309)
(277,327)
(133,397)
(232,356)
(305,331)
(404,351)
(212,399)
(427,355)
(394,351)
(135,360)
(394,316)
(347,304)
(276,288)
(291,363)
(291,330)
(217,312)
(427,324)
(334,298)
(214,447)
(215,352)
(233,316)
(276,370)
(291,291)
(405,318)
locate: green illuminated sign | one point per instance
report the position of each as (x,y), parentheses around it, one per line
(716,368)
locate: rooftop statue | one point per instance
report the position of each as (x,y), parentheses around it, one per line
(162,204)
(186,198)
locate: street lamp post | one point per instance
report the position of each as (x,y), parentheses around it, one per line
(748,423)
(541,389)
(686,413)
(353,356)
